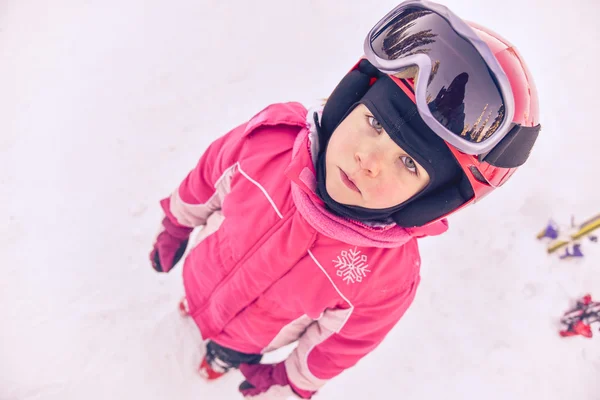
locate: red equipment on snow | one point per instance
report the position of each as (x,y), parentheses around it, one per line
(579,319)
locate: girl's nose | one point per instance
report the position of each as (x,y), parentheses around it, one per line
(369,161)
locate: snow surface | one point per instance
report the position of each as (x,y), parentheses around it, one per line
(105,106)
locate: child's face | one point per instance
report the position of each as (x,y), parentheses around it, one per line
(366,168)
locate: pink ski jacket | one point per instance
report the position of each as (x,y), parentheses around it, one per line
(272,266)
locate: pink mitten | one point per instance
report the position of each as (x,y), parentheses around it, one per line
(268,381)
(169,246)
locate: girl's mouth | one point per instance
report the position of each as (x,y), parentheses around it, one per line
(348,182)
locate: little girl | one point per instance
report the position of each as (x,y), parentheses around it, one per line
(311,218)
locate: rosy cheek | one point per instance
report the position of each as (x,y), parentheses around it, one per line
(382,191)
(387,194)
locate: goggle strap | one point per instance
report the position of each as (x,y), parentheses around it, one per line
(514,149)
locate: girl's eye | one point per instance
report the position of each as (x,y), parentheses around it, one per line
(375,124)
(410,164)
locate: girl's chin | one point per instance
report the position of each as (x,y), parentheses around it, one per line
(345,200)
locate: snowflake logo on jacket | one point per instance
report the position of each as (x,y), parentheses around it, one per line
(352,266)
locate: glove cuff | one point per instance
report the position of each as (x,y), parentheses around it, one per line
(177,231)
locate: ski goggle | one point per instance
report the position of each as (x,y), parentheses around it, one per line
(461,91)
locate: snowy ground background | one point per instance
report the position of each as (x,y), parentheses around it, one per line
(105,106)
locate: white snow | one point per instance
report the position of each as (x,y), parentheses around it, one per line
(105,106)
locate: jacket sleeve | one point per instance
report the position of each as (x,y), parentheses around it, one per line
(340,338)
(202,192)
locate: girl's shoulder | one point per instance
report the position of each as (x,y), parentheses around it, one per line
(273,130)
(290,113)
